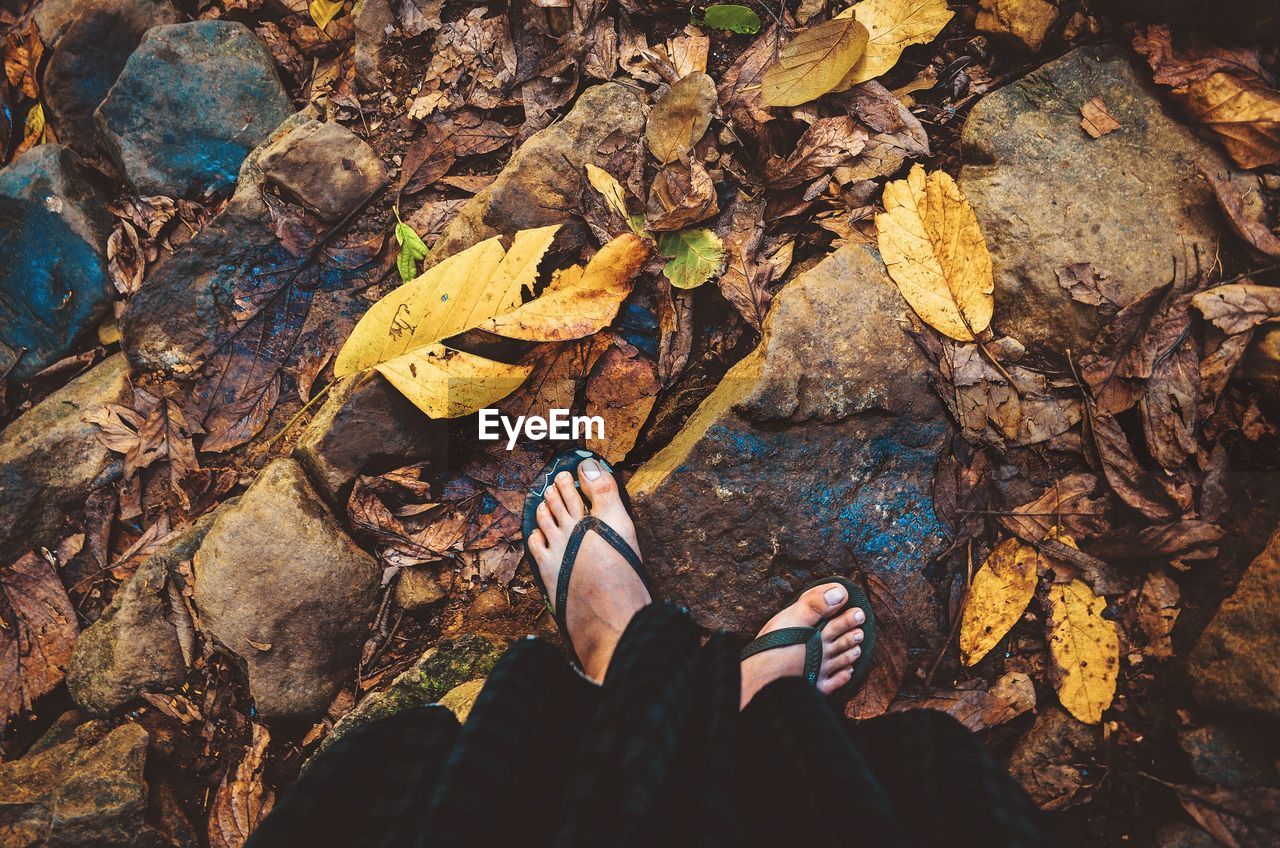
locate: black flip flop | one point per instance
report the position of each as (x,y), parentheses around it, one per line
(811,637)
(569,460)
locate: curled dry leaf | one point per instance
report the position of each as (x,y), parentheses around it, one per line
(622,391)
(1236,817)
(1001,590)
(815,62)
(682,194)
(681,117)
(1237,307)
(125,260)
(1084,650)
(975,709)
(241,801)
(892,26)
(1157,612)
(931,244)
(1240,196)
(1095,119)
(37,631)
(828,143)
(1072,504)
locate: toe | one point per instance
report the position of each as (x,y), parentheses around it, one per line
(538,542)
(844,623)
(845,643)
(819,601)
(569,495)
(546,521)
(833,682)
(556,504)
(599,484)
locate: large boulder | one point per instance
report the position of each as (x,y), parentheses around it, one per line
(179,315)
(54,287)
(1048,196)
(542,183)
(51,459)
(815,455)
(85,791)
(190,104)
(1236,663)
(280,584)
(134,647)
(87,59)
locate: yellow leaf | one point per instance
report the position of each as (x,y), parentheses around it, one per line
(1084,650)
(32,130)
(614,195)
(1246,117)
(579,301)
(931,244)
(447,383)
(892,26)
(323,11)
(679,119)
(814,63)
(1001,590)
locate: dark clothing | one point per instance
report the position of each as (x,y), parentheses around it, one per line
(658,755)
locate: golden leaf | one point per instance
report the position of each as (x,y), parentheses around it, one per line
(1084,650)
(32,130)
(447,383)
(323,11)
(814,63)
(931,244)
(892,26)
(679,119)
(1001,590)
(1246,117)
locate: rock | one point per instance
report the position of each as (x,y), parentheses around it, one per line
(542,183)
(353,173)
(442,668)
(1236,663)
(417,589)
(1027,21)
(190,104)
(85,792)
(174,320)
(365,427)
(134,647)
(50,459)
(1051,760)
(460,699)
(1232,755)
(1048,196)
(281,585)
(54,288)
(815,455)
(88,58)
(374,22)
(52,17)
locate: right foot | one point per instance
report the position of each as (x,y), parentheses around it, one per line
(841,643)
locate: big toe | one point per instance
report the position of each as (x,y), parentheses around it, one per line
(820,601)
(598,484)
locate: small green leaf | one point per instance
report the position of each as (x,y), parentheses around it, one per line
(732,17)
(412,250)
(695,257)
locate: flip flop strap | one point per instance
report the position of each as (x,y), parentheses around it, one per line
(783,637)
(590,522)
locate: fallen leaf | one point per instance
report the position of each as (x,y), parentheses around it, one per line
(746,278)
(1157,612)
(1175,542)
(893,26)
(615,197)
(1084,649)
(975,709)
(622,391)
(1073,504)
(1237,818)
(22,54)
(1089,286)
(1054,760)
(412,250)
(815,62)
(826,144)
(731,17)
(1125,354)
(324,11)
(935,253)
(889,664)
(559,372)
(1122,470)
(681,195)
(695,257)
(899,135)
(1237,307)
(681,117)
(241,801)
(37,631)
(443,142)
(126,262)
(1001,590)
(33,130)
(1240,196)
(1095,119)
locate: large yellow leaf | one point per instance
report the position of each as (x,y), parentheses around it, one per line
(579,301)
(931,244)
(679,119)
(814,63)
(447,383)
(892,26)
(1084,650)
(1001,590)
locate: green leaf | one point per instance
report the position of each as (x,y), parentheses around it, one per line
(695,257)
(412,250)
(732,17)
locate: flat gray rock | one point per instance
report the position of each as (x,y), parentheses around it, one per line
(190,104)
(1048,196)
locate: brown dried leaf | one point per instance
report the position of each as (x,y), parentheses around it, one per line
(1177,541)
(681,117)
(38,628)
(126,262)
(22,54)
(622,391)
(1126,353)
(828,143)
(1095,119)
(1157,612)
(889,664)
(1237,818)
(444,141)
(1240,196)
(681,195)
(975,709)
(1090,287)
(1237,307)
(1073,504)
(1127,477)
(242,801)
(559,372)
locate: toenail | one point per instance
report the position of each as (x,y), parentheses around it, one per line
(857,636)
(859,616)
(855,653)
(834,595)
(591,469)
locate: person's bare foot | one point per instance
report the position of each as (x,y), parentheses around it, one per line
(604,591)
(841,643)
